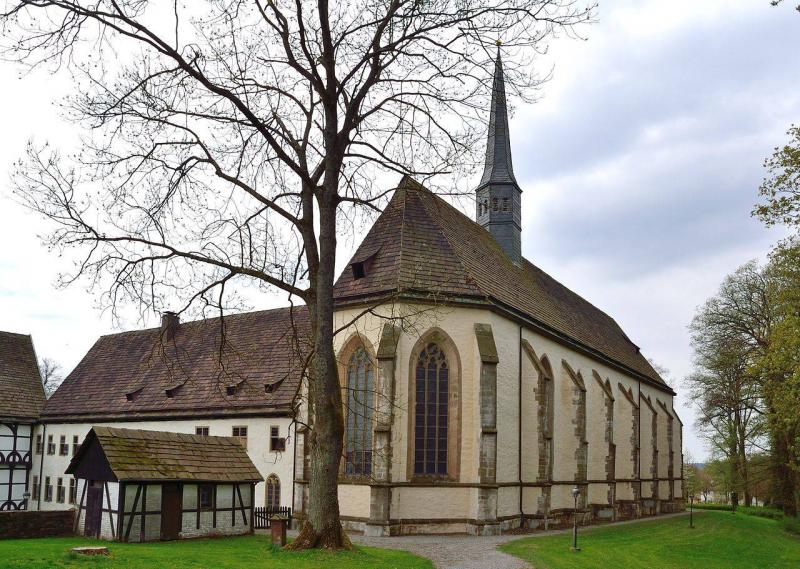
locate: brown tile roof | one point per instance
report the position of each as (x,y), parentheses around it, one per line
(128,375)
(421,245)
(155,455)
(21,392)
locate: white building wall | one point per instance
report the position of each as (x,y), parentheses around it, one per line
(258,432)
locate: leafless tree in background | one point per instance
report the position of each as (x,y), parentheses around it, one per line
(52,375)
(229,143)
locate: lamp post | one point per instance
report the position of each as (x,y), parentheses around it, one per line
(691,503)
(575,493)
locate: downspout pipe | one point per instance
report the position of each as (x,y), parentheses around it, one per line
(41,465)
(519,429)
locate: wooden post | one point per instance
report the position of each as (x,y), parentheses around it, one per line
(278,529)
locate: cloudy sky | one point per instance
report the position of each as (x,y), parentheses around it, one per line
(639,165)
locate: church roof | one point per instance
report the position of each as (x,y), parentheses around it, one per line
(21,392)
(243,364)
(132,454)
(421,246)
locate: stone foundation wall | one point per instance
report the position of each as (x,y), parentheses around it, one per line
(27,524)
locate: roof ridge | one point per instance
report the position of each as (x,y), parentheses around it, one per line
(209,319)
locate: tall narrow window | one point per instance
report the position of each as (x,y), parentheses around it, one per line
(35,493)
(358,437)
(48,490)
(273,492)
(60,490)
(63,447)
(73,490)
(39,444)
(76,445)
(431,412)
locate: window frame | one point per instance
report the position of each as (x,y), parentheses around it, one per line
(60,491)
(242,438)
(63,447)
(205,428)
(201,489)
(39,444)
(451,353)
(48,489)
(277,443)
(51,446)
(73,490)
(272,484)
(76,444)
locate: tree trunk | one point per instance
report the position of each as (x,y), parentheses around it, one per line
(322,526)
(785,479)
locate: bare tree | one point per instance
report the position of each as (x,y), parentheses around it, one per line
(228,145)
(52,376)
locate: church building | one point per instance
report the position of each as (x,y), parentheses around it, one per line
(480,394)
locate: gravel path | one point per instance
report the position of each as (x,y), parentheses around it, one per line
(452,551)
(470,552)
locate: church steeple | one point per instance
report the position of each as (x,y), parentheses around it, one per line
(498,195)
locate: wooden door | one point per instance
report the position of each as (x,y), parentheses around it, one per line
(94,509)
(170,511)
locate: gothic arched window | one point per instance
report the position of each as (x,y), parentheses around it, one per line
(273,500)
(431,412)
(358,429)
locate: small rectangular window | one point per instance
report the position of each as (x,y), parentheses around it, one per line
(63,447)
(202,431)
(241,434)
(277,443)
(51,446)
(205,496)
(35,493)
(48,490)
(39,444)
(60,491)
(73,490)
(76,445)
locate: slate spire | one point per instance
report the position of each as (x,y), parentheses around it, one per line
(498,167)
(498,195)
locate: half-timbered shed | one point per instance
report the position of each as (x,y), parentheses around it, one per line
(21,401)
(136,485)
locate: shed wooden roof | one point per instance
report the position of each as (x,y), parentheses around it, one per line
(21,392)
(421,246)
(136,455)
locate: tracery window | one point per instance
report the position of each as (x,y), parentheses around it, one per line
(273,492)
(358,434)
(431,412)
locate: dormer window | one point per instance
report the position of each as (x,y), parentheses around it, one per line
(358,271)
(131,395)
(360,268)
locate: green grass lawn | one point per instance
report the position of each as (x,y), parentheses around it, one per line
(720,540)
(251,552)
